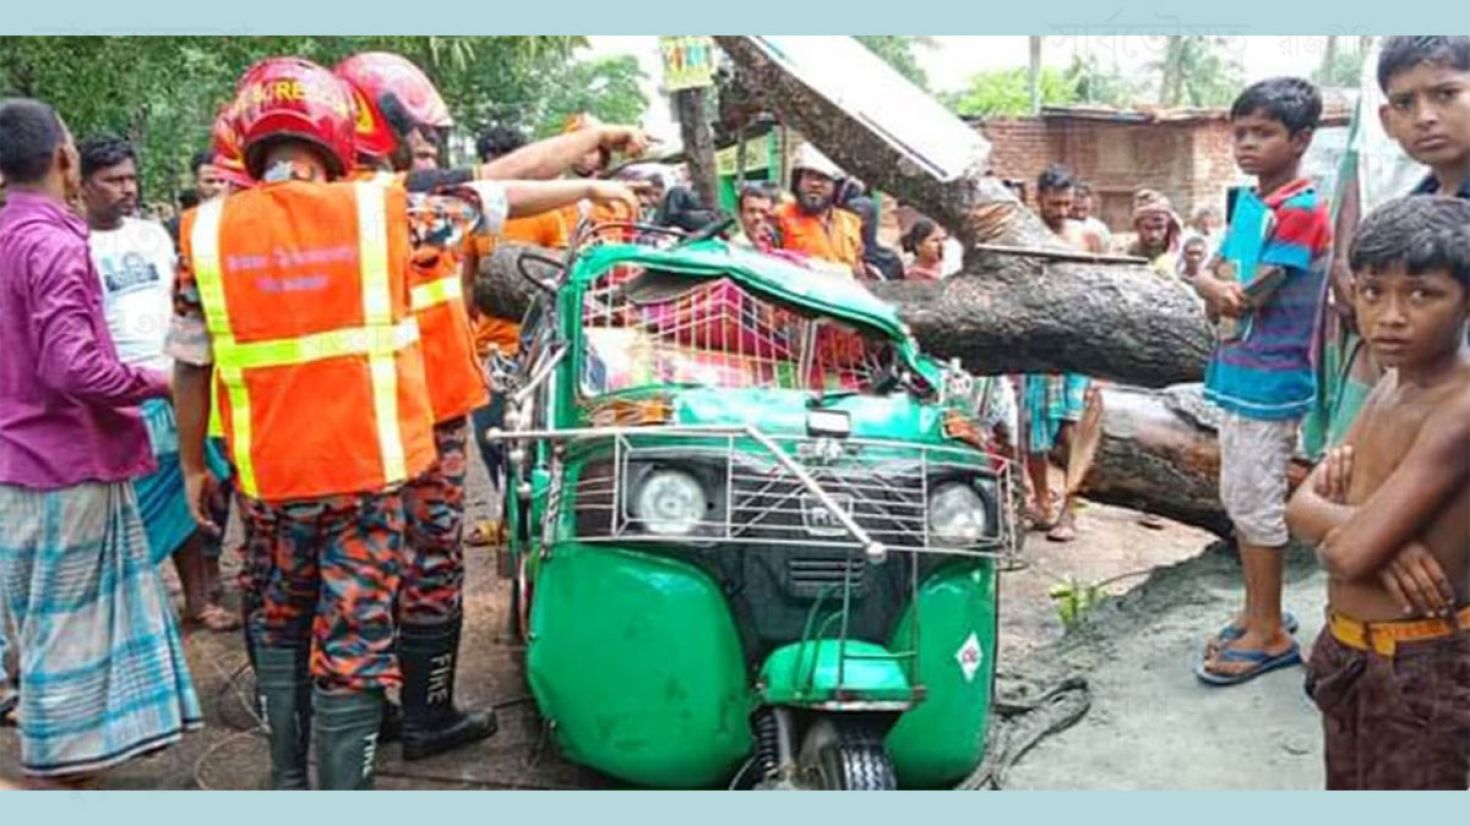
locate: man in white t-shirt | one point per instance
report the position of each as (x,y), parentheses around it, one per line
(136,260)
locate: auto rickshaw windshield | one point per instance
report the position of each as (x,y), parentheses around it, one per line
(646,332)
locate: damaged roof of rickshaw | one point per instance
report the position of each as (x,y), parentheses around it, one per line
(825,292)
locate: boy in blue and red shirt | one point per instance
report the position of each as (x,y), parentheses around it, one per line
(1263,378)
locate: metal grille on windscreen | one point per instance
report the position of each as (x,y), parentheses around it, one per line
(714,333)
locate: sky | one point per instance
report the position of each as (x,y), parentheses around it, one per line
(954,58)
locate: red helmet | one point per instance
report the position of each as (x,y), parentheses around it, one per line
(228,158)
(290,97)
(374,77)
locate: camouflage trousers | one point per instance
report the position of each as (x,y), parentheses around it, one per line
(324,572)
(1400,722)
(433,573)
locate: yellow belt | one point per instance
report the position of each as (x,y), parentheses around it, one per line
(1384,637)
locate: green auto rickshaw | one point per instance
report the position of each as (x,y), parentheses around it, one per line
(754,534)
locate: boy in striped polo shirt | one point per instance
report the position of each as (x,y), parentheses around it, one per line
(1267,287)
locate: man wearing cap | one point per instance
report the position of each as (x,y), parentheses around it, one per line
(1158,231)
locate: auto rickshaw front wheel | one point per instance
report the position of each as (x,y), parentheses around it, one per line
(845,755)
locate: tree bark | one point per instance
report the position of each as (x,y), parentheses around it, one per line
(1154,457)
(699,144)
(1008,315)
(1160,453)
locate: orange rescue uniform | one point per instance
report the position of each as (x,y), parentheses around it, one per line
(318,362)
(840,240)
(436,280)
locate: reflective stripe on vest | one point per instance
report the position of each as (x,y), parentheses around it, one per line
(378,339)
(216,424)
(444,290)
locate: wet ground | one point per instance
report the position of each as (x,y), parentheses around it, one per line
(1151,724)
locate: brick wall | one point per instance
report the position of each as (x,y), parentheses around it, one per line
(1189,161)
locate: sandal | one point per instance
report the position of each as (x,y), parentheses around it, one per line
(8,704)
(1261,661)
(1035,521)
(1233,632)
(215,619)
(485,532)
(1065,530)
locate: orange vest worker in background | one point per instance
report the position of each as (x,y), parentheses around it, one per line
(811,224)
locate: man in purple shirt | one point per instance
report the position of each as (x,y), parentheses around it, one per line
(92,617)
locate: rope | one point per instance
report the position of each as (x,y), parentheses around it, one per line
(1022,725)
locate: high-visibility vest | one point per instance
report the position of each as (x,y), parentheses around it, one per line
(810,235)
(317,359)
(456,382)
(436,292)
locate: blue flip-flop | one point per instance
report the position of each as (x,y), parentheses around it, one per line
(1232,632)
(1263,662)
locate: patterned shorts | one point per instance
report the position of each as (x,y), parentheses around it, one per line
(1394,723)
(433,574)
(324,572)
(1254,455)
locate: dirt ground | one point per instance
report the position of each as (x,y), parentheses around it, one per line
(1151,724)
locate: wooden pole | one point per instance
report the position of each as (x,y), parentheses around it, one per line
(739,157)
(699,144)
(1035,77)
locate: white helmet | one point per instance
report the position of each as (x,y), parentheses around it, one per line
(810,158)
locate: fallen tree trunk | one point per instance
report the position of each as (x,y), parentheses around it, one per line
(1155,458)
(1009,315)
(1019,315)
(1160,453)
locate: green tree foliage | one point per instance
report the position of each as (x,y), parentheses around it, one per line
(1102,85)
(608,88)
(163,92)
(1007,92)
(900,52)
(1196,70)
(1340,67)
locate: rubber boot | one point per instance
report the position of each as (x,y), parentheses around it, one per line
(431,724)
(346,732)
(283,688)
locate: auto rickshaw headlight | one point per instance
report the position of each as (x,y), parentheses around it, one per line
(669,503)
(956,515)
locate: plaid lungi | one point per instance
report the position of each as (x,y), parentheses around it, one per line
(102,671)
(1050,400)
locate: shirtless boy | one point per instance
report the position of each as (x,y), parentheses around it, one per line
(1389,511)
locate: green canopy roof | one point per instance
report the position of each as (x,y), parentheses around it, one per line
(814,289)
